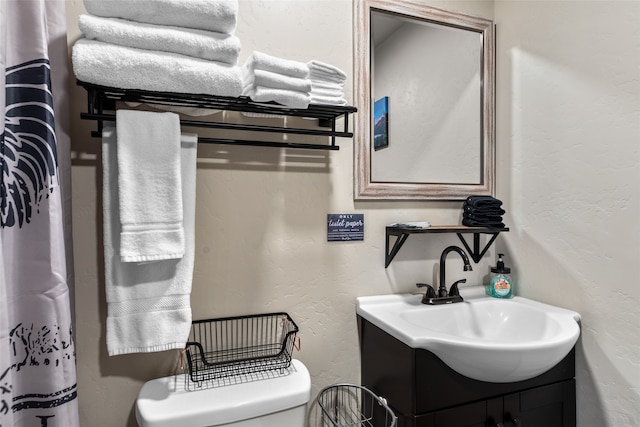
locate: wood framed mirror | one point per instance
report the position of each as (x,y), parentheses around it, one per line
(424,87)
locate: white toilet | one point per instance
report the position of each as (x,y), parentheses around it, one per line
(273,402)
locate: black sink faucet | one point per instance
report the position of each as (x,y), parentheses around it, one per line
(442,289)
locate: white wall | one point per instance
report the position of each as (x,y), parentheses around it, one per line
(431,92)
(568,160)
(568,123)
(261,227)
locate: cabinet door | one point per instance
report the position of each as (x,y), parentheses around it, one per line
(471,415)
(548,406)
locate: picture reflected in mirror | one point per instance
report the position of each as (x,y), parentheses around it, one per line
(381,123)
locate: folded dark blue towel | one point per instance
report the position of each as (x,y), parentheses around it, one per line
(483,211)
(474,223)
(482,217)
(483,202)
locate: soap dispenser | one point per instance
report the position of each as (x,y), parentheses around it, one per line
(501,285)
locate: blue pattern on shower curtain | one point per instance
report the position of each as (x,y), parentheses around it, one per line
(28,156)
(37,352)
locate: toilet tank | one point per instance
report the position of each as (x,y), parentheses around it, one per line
(278,401)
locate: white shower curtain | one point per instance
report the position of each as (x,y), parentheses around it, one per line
(37,353)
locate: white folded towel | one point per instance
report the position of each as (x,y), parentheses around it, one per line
(148,304)
(327,100)
(185,41)
(327,78)
(275,80)
(326,91)
(320,91)
(325,71)
(262,61)
(321,84)
(288,98)
(210,15)
(149,186)
(130,68)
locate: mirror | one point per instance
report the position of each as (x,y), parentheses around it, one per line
(424,87)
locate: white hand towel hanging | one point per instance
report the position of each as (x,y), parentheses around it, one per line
(150,191)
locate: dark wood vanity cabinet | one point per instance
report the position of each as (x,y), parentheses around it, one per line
(424,392)
(546,406)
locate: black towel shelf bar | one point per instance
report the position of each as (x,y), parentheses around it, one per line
(101,99)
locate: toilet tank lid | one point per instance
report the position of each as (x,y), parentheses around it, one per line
(164,402)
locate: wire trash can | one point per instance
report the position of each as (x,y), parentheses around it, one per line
(347,405)
(239,346)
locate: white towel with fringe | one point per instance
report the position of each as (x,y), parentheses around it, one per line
(211,15)
(148,304)
(202,44)
(130,68)
(150,193)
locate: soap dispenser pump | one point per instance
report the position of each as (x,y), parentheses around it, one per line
(501,285)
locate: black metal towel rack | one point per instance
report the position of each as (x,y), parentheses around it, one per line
(101,99)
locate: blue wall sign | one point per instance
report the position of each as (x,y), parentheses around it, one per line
(345,227)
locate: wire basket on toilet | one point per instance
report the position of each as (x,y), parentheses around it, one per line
(237,349)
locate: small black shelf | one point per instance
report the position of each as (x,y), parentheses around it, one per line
(402,233)
(101,99)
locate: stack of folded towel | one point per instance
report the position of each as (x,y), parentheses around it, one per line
(174,46)
(483,211)
(291,83)
(268,78)
(327,83)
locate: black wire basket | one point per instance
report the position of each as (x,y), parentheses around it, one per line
(349,405)
(237,346)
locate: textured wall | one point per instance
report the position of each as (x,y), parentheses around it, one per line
(261,227)
(569,166)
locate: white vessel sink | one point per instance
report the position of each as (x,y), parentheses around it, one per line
(483,338)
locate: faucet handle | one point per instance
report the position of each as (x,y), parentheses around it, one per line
(454,291)
(431,293)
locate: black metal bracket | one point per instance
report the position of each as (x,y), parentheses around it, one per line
(101,99)
(402,233)
(476,254)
